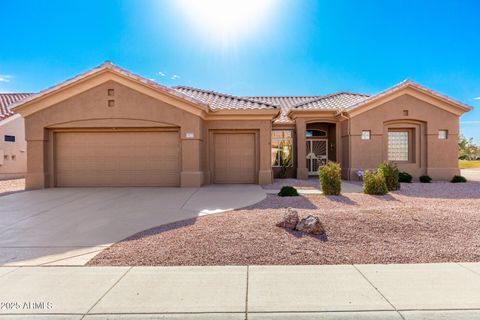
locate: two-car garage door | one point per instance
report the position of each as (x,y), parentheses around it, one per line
(126,158)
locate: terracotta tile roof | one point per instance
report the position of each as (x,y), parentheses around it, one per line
(7,100)
(221,101)
(334,101)
(285,103)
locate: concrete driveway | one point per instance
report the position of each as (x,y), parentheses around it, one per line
(68,226)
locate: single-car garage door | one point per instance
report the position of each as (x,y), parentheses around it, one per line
(234,158)
(127,158)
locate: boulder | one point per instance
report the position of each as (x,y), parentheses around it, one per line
(290,219)
(311,225)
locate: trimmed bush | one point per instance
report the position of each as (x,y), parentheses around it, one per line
(288,191)
(405,177)
(391,175)
(425,179)
(330,179)
(374,183)
(458,179)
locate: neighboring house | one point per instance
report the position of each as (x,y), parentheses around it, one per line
(109,127)
(13,147)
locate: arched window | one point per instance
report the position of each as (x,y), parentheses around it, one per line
(315,133)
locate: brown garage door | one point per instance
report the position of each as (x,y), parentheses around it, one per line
(117,159)
(234,158)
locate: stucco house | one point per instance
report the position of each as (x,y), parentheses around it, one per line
(109,127)
(13,147)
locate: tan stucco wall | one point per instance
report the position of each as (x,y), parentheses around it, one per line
(133,109)
(437,158)
(89,109)
(14,154)
(345,148)
(263,130)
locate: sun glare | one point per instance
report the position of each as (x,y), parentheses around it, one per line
(226,19)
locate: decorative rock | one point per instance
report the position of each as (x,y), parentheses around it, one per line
(311,225)
(290,219)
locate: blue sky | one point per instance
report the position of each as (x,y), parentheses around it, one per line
(283,47)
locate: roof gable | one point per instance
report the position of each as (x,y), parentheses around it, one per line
(411,88)
(101,74)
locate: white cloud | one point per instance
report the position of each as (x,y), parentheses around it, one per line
(174,77)
(5,78)
(477,98)
(161,74)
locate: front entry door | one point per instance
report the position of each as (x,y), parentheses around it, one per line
(317,155)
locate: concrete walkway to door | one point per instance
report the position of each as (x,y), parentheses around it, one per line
(68,226)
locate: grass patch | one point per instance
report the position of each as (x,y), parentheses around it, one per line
(467,164)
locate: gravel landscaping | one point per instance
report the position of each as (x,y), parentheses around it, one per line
(437,222)
(11,186)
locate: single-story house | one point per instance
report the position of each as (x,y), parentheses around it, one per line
(13,147)
(110,127)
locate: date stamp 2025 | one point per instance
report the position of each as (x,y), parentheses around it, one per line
(25,305)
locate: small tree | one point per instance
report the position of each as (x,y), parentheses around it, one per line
(467,149)
(330,179)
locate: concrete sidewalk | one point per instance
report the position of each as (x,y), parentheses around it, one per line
(410,291)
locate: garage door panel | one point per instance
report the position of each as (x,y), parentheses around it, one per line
(234,158)
(117,159)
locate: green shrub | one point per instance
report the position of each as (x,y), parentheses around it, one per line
(330,179)
(425,179)
(391,175)
(405,177)
(374,183)
(458,179)
(288,191)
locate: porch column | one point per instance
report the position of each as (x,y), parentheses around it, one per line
(35,177)
(191,145)
(338,142)
(302,172)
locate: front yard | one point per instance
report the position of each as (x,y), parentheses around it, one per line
(468,164)
(435,222)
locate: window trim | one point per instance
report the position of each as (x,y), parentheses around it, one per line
(411,146)
(369,135)
(284,139)
(444,131)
